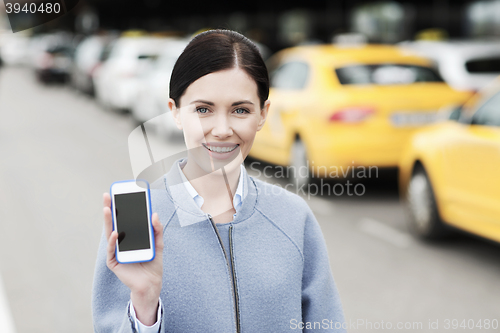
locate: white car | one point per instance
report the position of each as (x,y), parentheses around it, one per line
(116,80)
(88,57)
(153,94)
(464,65)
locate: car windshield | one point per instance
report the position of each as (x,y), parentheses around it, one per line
(485,65)
(386,74)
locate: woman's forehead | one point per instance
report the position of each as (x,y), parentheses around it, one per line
(225,86)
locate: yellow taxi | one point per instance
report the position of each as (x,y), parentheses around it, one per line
(334,108)
(449,172)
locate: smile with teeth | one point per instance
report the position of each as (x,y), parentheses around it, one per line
(220,149)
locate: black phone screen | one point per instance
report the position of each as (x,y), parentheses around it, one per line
(132,221)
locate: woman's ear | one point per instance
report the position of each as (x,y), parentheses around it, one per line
(263,114)
(176,113)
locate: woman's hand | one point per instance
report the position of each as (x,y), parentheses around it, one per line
(143,279)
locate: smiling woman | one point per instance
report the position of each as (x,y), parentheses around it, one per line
(211,64)
(224,124)
(233,254)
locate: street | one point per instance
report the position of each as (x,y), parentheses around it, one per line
(60,151)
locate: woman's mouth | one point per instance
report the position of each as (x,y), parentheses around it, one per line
(219,149)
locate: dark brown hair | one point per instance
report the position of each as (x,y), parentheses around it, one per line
(215,50)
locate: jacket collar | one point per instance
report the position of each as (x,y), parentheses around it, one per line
(187,210)
(237,197)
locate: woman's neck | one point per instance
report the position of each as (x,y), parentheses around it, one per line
(217,188)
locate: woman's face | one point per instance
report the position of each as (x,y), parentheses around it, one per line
(220,114)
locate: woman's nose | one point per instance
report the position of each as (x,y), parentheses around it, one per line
(222,127)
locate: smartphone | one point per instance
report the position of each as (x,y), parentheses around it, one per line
(131,213)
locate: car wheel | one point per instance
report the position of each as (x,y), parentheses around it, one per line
(299,166)
(424,220)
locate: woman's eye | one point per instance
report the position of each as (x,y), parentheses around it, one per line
(241,111)
(202,110)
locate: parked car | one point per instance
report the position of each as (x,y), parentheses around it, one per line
(89,55)
(334,107)
(116,80)
(449,171)
(464,65)
(54,64)
(40,43)
(153,93)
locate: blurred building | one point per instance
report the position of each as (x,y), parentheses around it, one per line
(279,24)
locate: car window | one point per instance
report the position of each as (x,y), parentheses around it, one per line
(136,49)
(455,113)
(292,76)
(126,49)
(486,65)
(386,74)
(488,114)
(106,51)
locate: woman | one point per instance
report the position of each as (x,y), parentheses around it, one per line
(234,254)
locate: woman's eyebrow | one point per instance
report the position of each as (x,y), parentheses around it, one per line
(241,102)
(212,103)
(202,101)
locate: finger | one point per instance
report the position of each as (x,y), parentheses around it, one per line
(108,222)
(158,228)
(106,199)
(110,255)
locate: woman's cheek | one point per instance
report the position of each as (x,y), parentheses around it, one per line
(194,130)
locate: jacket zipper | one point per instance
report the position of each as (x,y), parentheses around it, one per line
(233,275)
(236,305)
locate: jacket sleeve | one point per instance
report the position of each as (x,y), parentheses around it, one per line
(320,297)
(110,299)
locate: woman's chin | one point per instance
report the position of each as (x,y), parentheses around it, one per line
(228,164)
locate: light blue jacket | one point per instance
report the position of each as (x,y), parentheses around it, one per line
(279,281)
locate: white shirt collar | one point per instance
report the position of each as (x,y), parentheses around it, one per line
(238,196)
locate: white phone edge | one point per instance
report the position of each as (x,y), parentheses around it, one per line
(134,256)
